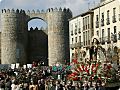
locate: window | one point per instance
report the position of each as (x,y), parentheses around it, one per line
(115,30)
(108,19)
(76,39)
(108,33)
(88,38)
(88,23)
(85,22)
(72,29)
(75,28)
(98,33)
(79,38)
(102,33)
(115,36)
(114,15)
(97,18)
(114,11)
(84,38)
(79,28)
(108,13)
(72,40)
(102,20)
(97,21)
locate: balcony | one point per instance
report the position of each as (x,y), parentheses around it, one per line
(75,45)
(114,37)
(79,30)
(108,21)
(71,33)
(83,27)
(97,24)
(79,44)
(102,22)
(114,18)
(72,45)
(102,40)
(107,39)
(118,35)
(75,31)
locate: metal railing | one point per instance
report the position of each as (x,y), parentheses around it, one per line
(97,24)
(108,21)
(114,18)
(75,45)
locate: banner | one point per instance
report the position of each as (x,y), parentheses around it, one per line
(17,65)
(12,66)
(29,65)
(24,66)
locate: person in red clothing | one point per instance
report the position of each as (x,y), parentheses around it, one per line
(34,64)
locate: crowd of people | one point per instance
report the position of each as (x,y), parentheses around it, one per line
(41,78)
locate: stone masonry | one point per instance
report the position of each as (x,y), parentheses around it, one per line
(14,34)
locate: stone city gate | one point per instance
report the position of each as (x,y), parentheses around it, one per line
(14,35)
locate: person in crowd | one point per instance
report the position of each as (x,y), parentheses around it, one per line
(70,86)
(58,85)
(8,84)
(33,86)
(85,85)
(41,84)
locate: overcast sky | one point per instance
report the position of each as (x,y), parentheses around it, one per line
(76,6)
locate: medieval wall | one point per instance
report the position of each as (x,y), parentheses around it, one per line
(58,35)
(13,36)
(38,45)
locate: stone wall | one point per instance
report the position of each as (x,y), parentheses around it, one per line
(38,45)
(58,35)
(13,24)
(16,44)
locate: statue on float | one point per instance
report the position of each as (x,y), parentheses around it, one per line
(94,50)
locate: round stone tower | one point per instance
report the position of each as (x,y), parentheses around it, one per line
(10,23)
(58,35)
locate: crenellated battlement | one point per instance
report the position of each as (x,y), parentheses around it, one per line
(59,9)
(67,10)
(34,29)
(34,12)
(17,11)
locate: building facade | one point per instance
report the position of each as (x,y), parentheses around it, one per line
(103,23)
(106,22)
(107,27)
(81,32)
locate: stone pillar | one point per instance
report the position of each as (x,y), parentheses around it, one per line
(58,35)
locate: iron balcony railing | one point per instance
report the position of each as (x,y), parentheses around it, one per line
(75,45)
(108,21)
(102,40)
(97,24)
(114,18)
(102,22)
(114,37)
(71,32)
(105,39)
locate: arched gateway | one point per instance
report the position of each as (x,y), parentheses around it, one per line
(14,35)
